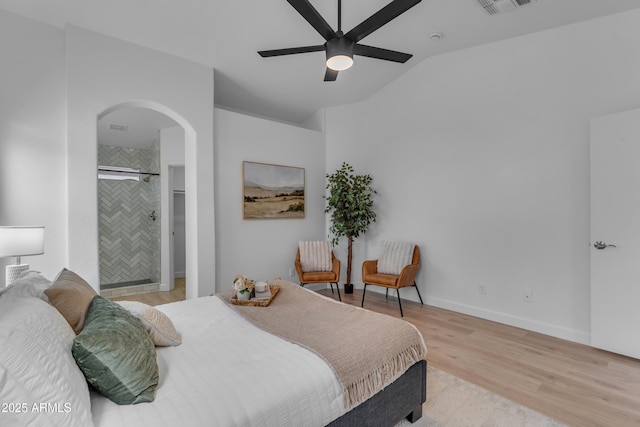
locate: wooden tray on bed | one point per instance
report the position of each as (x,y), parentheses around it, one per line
(257,303)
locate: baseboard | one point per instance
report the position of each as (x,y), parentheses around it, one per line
(179,274)
(511,320)
(495,316)
(164,287)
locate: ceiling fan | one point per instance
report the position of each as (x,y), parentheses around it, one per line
(341,47)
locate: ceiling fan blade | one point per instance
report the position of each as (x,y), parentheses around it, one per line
(380,18)
(330,75)
(290,50)
(379,53)
(312,16)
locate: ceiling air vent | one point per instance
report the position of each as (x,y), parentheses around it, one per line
(494,7)
(120,128)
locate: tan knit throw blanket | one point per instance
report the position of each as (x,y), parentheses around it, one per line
(366,350)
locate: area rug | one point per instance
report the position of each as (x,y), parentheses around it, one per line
(457,403)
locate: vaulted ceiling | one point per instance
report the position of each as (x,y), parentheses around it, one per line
(226,35)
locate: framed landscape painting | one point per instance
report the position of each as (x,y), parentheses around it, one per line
(272,191)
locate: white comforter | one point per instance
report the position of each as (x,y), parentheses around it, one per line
(228,373)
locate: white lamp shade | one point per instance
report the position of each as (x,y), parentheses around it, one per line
(21,241)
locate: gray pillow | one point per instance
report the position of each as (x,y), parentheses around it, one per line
(28,284)
(116,354)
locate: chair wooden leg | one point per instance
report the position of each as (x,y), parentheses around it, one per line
(399,302)
(363,291)
(417,290)
(337,289)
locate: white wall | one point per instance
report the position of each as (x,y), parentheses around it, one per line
(481,157)
(263,249)
(172,157)
(32,136)
(103,72)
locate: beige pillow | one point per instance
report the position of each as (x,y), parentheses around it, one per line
(394,257)
(157,324)
(71,295)
(315,255)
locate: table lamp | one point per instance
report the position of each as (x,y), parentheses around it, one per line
(18,242)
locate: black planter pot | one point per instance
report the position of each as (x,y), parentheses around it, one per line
(348,289)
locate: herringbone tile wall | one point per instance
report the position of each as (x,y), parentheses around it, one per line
(129,243)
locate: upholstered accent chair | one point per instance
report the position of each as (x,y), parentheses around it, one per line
(390,271)
(315,272)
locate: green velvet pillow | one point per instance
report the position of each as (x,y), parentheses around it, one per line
(116,354)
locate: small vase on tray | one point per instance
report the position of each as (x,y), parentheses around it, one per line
(243,295)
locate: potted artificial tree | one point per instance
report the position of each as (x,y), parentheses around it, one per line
(350,204)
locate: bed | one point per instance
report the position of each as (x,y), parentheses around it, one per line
(232,367)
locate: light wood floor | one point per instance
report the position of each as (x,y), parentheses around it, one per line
(573,383)
(157,298)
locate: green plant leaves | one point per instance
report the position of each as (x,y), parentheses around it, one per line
(350,203)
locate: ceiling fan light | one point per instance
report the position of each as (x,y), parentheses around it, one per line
(339,62)
(339,53)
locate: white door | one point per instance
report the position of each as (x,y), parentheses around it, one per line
(615,220)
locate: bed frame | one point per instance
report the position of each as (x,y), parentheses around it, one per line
(401,399)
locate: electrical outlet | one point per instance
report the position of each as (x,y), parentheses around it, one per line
(527,296)
(482,289)
(292,271)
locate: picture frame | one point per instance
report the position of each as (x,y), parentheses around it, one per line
(271,191)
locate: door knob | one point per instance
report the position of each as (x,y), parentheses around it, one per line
(602,245)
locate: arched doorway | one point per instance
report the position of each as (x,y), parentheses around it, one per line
(175,143)
(130,200)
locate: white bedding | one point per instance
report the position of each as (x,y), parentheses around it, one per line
(229,373)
